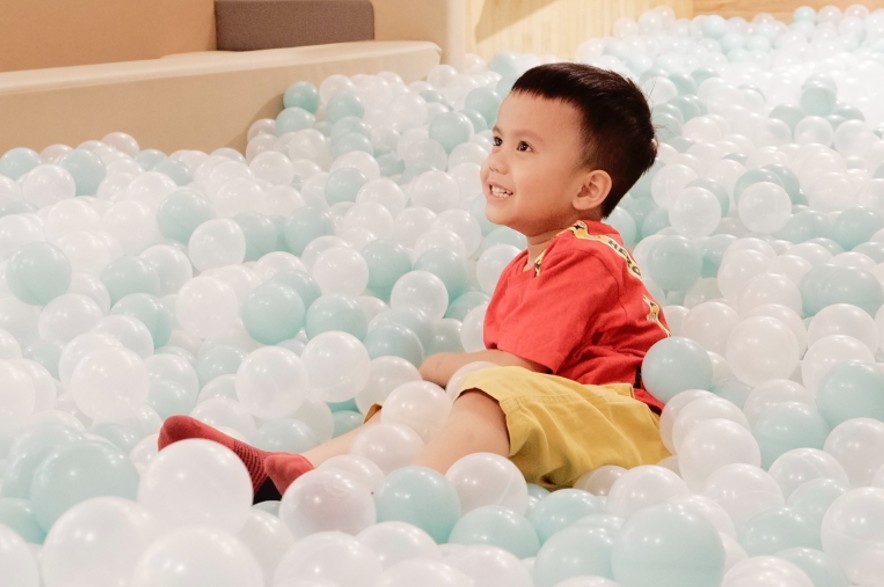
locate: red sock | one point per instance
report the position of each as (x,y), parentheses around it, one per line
(283,469)
(177,428)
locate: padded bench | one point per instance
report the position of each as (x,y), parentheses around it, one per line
(208,99)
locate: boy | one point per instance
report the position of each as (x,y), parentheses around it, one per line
(570,320)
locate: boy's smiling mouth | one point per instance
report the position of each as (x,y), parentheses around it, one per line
(499,192)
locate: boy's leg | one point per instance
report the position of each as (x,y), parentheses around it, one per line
(476,424)
(284,468)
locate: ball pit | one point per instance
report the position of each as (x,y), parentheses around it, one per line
(280,292)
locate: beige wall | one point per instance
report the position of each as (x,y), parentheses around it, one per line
(54,33)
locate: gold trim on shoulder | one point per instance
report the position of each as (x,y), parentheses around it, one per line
(581,231)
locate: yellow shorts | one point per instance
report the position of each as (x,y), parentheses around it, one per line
(560,429)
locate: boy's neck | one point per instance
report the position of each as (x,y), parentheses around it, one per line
(538,243)
(536,248)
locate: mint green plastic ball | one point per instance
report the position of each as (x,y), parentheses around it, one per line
(390,163)
(151,311)
(855,226)
(817,99)
(502,235)
(496,526)
(449,266)
(668,545)
(16,162)
(305,225)
(559,509)
(223,359)
(261,233)
(478,121)
(791,114)
(38,272)
(825,285)
(343,184)
(352,141)
(28,451)
(78,471)
(392,339)
(673,365)
(751,177)
(285,435)
(712,249)
(812,498)
(344,103)
(507,64)
(303,283)
(148,158)
(784,426)
(174,169)
(446,337)
(803,226)
(387,261)
(293,119)
(778,528)
(460,306)
(851,389)
(45,352)
(819,566)
(335,312)
(668,126)
(420,496)
(273,312)
(18,515)
(346,420)
(129,275)
(674,263)
(486,102)
(169,397)
(450,129)
(181,212)
(572,552)
(655,221)
(87,169)
(347,125)
(123,436)
(788,179)
(302,95)
(409,317)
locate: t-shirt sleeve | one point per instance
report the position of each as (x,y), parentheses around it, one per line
(552,316)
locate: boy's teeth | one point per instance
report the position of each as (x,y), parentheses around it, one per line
(500,191)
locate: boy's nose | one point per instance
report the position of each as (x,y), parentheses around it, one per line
(496,162)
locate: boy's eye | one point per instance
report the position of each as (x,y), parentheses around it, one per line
(496,141)
(523,146)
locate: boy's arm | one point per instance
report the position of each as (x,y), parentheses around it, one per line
(440,367)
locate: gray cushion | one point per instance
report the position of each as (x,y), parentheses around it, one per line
(246,25)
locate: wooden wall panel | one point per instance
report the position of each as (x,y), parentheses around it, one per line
(781,9)
(555,27)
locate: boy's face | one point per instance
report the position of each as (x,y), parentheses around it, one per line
(535,169)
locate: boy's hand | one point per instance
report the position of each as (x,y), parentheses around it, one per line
(440,367)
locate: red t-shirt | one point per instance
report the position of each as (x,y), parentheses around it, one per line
(583,311)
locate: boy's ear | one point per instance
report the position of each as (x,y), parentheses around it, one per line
(596,187)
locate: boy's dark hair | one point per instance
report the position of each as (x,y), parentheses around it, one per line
(617,127)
